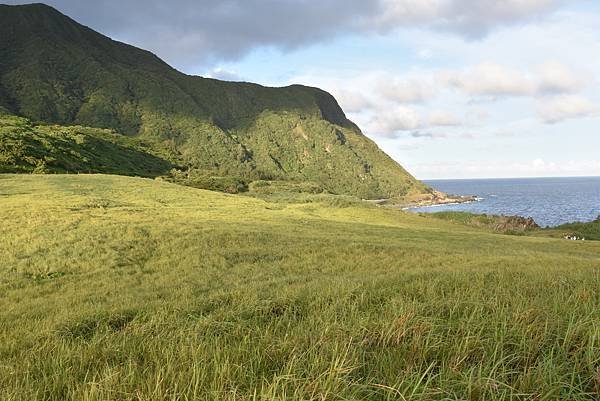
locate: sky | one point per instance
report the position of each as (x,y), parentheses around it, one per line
(448,88)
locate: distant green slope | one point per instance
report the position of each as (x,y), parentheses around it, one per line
(28,148)
(55,70)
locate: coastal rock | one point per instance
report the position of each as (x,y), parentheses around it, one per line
(514,223)
(495,223)
(435,198)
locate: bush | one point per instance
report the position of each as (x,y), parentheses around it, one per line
(203,180)
(259,184)
(272,187)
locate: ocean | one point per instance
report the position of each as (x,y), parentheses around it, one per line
(550,201)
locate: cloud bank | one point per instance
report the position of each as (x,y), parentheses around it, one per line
(562,108)
(531,168)
(389,105)
(192,33)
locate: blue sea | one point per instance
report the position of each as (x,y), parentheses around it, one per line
(550,201)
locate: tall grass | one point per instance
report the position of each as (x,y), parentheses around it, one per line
(117,288)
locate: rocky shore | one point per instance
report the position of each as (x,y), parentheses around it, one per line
(439,198)
(495,223)
(435,198)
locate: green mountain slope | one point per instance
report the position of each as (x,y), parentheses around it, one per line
(54,70)
(29,148)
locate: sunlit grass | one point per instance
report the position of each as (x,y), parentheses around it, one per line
(117,288)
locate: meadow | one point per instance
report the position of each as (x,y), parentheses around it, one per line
(119,288)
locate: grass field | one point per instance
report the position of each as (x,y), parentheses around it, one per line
(115,288)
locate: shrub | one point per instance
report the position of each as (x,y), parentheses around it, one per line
(203,180)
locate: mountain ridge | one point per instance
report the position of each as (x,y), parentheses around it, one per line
(55,70)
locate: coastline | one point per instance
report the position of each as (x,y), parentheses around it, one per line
(450,200)
(430,200)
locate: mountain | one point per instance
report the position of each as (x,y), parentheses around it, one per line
(55,71)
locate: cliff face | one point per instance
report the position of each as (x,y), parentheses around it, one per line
(54,70)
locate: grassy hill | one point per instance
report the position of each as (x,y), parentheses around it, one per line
(117,288)
(30,148)
(56,71)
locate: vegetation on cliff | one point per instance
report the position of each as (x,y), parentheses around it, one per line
(54,70)
(30,148)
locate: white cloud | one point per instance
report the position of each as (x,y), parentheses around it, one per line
(442,118)
(405,90)
(490,79)
(396,12)
(469,18)
(400,118)
(352,101)
(555,77)
(377,87)
(559,108)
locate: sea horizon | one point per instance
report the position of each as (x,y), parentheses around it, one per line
(550,201)
(507,178)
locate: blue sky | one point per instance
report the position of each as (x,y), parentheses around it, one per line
(448,88)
